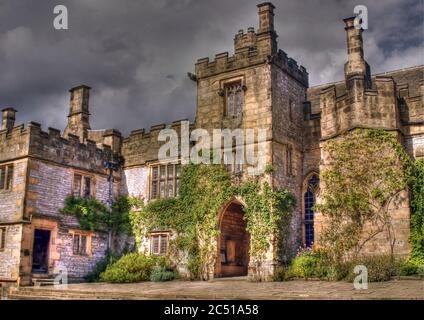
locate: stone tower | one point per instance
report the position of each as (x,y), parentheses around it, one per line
(259,87)
(79,116)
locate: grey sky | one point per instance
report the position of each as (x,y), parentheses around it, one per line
(136,54)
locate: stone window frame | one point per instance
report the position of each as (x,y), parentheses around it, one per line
(224,85)
(88,239)
(315,191)
(176,172)
(6,178)
(83,176)
(161,235)
(3,231)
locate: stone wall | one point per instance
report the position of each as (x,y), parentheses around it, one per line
(10,255)
(135,182)
(288,95)
(79,265)
(12,201)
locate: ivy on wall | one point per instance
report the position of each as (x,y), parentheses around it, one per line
(194,215)
(268,216)
(366,172)
(417,212)
(94,215)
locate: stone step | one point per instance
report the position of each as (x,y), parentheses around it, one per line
(40,293)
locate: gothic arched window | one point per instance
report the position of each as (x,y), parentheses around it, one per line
(234,99)
(308,203)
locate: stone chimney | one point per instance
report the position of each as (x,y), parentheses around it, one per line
(356,64)
(266,36)
(8,119)
(78,118)
(266,17)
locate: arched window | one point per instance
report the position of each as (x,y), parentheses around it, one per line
(309,202)
(234,99)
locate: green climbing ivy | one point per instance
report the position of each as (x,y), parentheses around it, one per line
(205,189)
(94,215)
(417,214)
(365,171)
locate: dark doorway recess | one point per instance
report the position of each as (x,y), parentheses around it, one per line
(40,252)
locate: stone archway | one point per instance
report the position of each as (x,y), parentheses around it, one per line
(233,243)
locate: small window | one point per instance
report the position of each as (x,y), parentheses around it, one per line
(2,238)
(164,181)
(159,244)
(6,177)
(233,164)
(76,246)
(82,186)
(80,244)
(87,187)
(77,185)
(289,161)
(234,97)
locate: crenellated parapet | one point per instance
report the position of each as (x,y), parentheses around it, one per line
(411,103)
(32,141)
(14,143)
(359,107)
(253,48)
(247,56)
(141,147)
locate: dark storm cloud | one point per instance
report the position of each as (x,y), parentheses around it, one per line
(136,54)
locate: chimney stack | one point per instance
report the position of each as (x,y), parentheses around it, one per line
(8,119)
(266,17)
(356,64)
(78,118)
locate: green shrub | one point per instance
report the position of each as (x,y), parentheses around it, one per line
(133,267)
(380,268)
(411,267)
(303,266)
(408,269)
(311,263)
(162,274)
(100,267)
(282,273)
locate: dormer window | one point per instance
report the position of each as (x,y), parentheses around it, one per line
(234,99)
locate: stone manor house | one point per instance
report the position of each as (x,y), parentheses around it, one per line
(257,87)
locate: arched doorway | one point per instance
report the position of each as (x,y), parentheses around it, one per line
(233,243)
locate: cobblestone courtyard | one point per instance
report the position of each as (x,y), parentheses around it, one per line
(230,288)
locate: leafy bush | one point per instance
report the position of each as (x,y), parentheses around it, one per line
(162,274)
(411,267)
(380,268)
(303,266)
(133,267)
(282,273)
(100,267)
(311,263)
